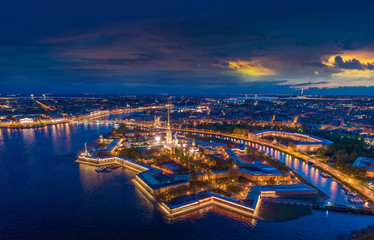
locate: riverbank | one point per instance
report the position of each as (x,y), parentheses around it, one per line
(46,181)
(34,126)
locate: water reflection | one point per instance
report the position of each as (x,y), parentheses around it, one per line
(9,133)
(309,173)
(202,212)
(93,206)
(144,205)
(90,179)
(67,137)
(28,136)
(334,188)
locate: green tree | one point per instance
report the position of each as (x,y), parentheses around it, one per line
(247,150)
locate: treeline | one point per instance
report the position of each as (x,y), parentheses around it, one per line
(243,128)
(344,151)
(134,153)
(121,129)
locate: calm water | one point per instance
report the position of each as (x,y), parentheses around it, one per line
(44,194)
(311,174)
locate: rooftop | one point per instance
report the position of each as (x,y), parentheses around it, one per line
(364,162)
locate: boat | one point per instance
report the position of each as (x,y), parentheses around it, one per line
(355,200)
(325,175)
(351,193)
(107,170)
(310,163)
(113,167)
(344,188)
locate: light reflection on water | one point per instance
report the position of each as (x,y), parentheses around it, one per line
(311,174)
(90,179)
(42,187)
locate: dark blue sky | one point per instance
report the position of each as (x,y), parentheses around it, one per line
(187,47)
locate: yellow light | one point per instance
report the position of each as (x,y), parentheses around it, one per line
(250,68)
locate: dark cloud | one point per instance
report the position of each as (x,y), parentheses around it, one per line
(370,66)
(123,44)
(308,84)
(352,64)
(349,64)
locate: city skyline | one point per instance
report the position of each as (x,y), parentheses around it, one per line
(262,167)
(188,48)
(187,119)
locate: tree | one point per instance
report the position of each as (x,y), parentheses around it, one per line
(247,150)
(121,129)
(271,181)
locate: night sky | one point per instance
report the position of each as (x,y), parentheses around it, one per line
(187,47)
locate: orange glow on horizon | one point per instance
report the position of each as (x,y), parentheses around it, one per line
(250,68)
(364,56)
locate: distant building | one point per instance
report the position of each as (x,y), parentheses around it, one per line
(298,141)
(26,120)
(169,135)
(369,140)
(365,162)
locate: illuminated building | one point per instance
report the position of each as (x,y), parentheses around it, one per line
(297,141)
(26,120)
(169,137)
(367,163)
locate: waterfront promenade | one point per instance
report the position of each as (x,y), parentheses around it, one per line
(92,116)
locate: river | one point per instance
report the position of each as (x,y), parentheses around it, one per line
(311,174)
(44,194)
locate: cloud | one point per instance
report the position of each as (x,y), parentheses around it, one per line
(351,60)
(251,68)
(308,84)
(174,44)
(349,64)
(352,68)
(370,66)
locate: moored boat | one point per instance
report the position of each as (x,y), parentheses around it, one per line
(310,163)
(325,175)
